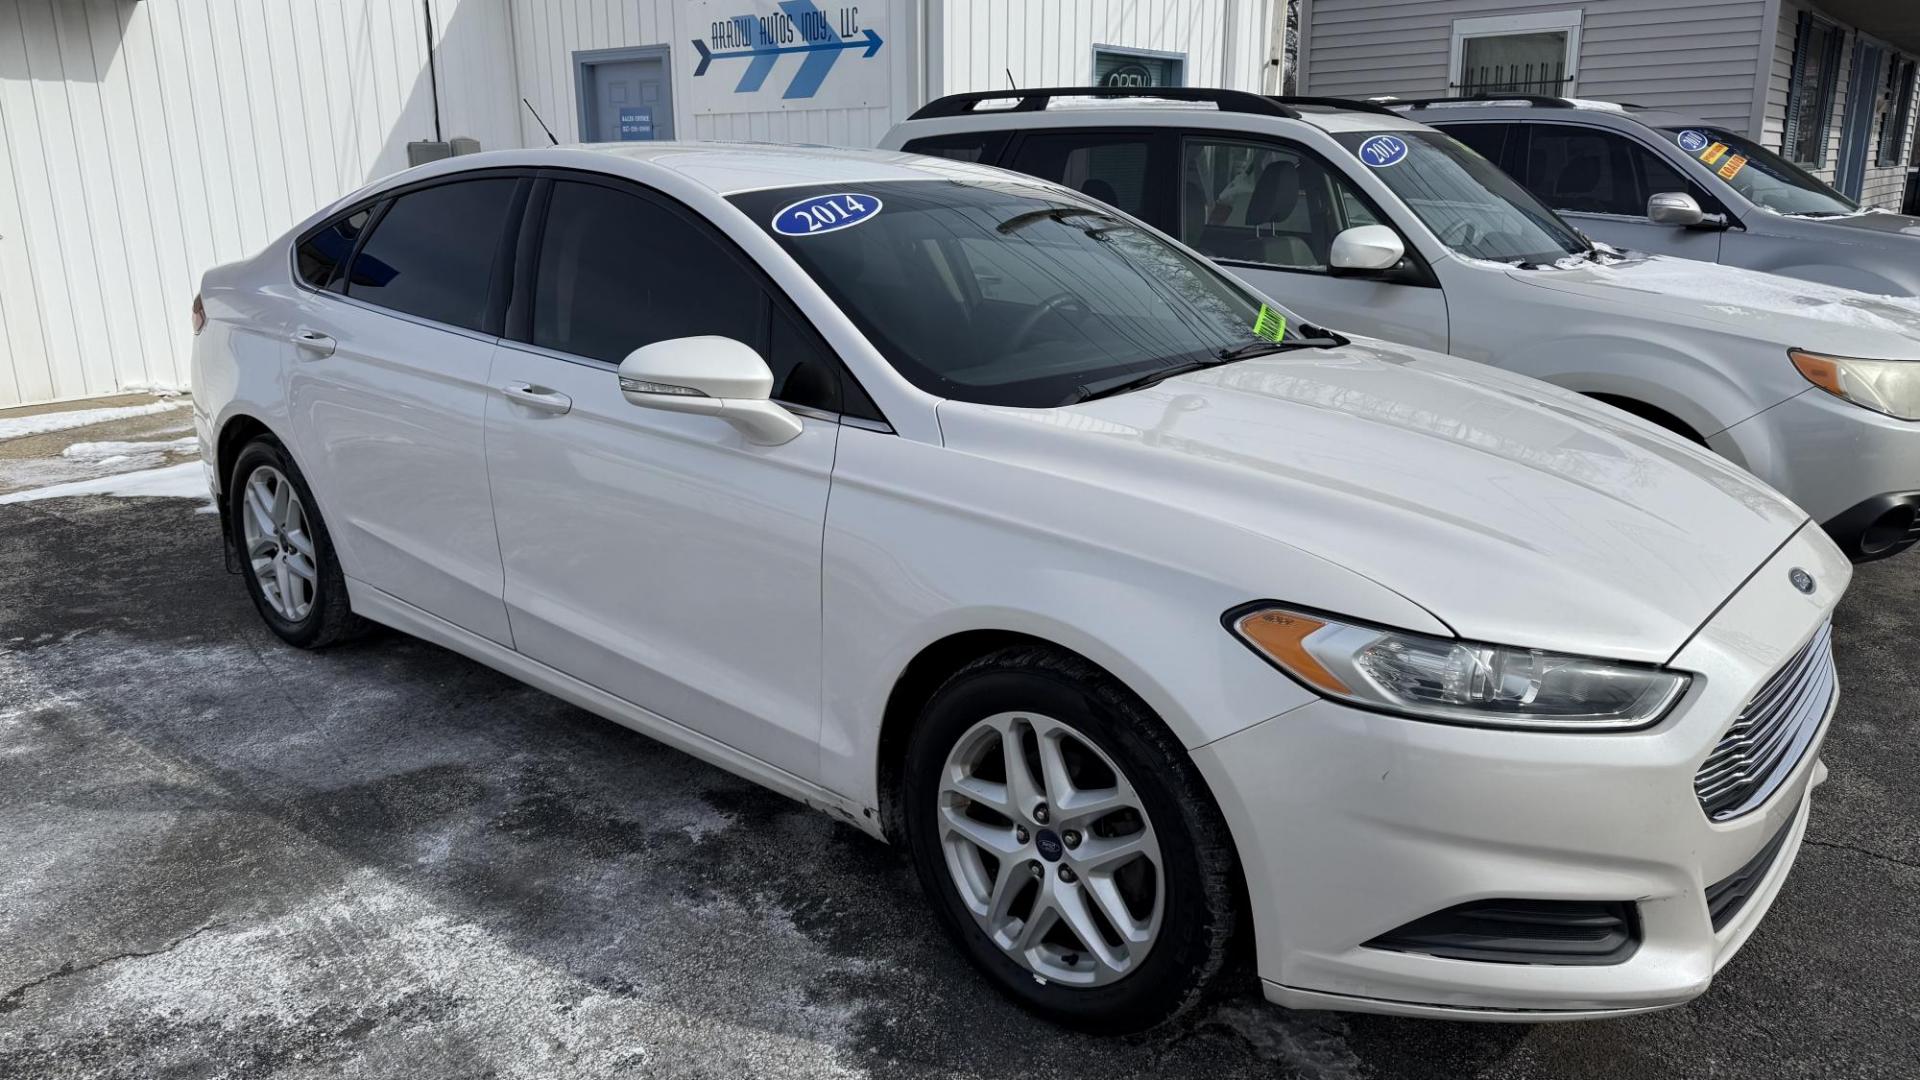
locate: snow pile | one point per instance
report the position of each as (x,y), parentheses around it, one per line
(187,480)
(19,427)
(110,451)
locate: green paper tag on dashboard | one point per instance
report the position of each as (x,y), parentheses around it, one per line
(1270,324)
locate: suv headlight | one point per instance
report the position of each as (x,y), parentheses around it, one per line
(1457,682)
(1885,386)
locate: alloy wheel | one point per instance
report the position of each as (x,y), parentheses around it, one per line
(1051,849)
(279,546)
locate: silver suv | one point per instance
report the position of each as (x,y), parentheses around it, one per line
(1365,221)
(1674,184)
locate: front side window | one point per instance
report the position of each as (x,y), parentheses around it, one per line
(1582,170)
(1007,293)
(616,271)
(1759,175)
(433,252)
(1112,168)
(1474,208)
(1815,79)
(319,256)
(1266,203)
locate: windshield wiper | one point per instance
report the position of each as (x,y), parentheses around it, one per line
(1263,347)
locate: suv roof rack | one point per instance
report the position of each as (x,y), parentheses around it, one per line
(1239,101)
(1351,104)
(1538,101)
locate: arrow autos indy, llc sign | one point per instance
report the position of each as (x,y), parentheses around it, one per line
(826,58)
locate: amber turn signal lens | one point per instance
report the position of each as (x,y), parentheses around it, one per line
(1820,371)
(1282,635)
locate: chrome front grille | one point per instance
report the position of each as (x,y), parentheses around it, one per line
(1771,733)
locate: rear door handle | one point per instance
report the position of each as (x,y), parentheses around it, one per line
(538,397)
(315,342)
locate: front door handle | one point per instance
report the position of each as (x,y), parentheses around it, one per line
(314,342)
(538,397)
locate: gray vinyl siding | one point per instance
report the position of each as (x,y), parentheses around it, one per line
(1880,186)
(1643,51)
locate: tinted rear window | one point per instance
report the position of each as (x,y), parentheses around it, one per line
(433,253)
(321,253)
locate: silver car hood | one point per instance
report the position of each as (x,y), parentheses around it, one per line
(1514,511)
(1879,222)
(1787,311)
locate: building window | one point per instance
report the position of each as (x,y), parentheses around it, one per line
(1516,54)
(1137,67)
(1899,115)
(1810,90)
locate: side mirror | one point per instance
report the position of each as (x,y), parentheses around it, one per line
(713,376)
(1674,208)
(1367,249)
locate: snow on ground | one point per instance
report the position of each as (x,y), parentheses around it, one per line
(110,450)
(19,427)
(187,480)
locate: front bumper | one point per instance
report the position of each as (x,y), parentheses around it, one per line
(1350,824)
(1848,467)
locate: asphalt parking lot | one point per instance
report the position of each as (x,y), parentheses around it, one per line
(220,857)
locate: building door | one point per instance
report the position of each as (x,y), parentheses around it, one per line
(1857,129)
(626,95)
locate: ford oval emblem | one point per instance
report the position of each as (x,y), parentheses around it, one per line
(825,214)
(1801,580)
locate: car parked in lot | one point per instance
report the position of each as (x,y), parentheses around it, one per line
(1371,223)
(1155,623)
(1665,182)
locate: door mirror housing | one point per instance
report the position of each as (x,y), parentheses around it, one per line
(1366,249)
(1675,208)
(712,376)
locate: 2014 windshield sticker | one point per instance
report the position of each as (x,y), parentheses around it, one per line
(1269,324)
(825,214)
(1383,150)
(1693,141)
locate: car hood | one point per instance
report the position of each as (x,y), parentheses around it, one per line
(1880,222)
(1515,512)
(1787,311)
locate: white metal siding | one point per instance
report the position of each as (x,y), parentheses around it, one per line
(1225,42)
(143,142)
(1648,52)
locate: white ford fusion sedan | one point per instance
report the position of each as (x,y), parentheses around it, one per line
(1156,626)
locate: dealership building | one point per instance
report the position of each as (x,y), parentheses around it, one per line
(143,141)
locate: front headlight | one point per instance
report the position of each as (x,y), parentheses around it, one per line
(1457,682)
(1885,386)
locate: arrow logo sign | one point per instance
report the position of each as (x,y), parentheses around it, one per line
(822,48)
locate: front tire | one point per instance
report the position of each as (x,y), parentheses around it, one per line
(285,553)
(1067,843)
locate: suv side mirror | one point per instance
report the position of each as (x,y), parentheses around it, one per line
(713,376)
(1366,249)
(1675,208)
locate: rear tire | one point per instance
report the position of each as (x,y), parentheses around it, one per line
(1109,833)
(286,555)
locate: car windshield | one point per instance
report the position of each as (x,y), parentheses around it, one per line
(1008,293)
(1473,207)
(1761,176)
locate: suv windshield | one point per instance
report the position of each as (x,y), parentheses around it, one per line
(1472,206)
(1007,293)
(1763,177)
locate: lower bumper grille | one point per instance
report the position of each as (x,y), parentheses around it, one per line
(1771,734)
(1726,897)
(1522,932)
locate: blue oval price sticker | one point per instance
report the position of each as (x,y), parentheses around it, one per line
(825,214)
(1383,150)
(1693,141)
